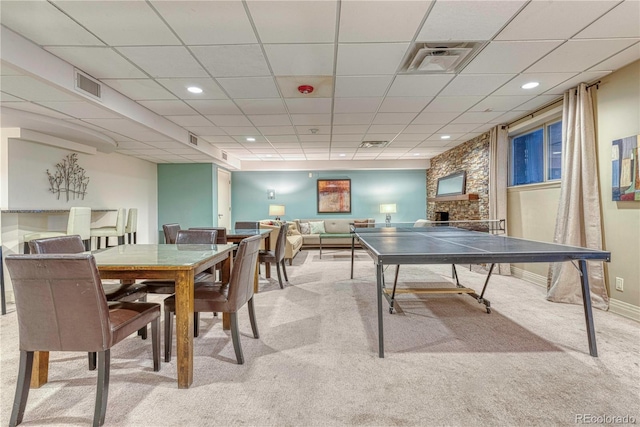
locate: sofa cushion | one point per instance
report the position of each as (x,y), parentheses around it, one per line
(305,228)
(317,227)
(293,230)
(364,223)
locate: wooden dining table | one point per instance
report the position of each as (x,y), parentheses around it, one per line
(153,261)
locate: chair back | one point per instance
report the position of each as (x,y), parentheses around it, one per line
(222,233)
(242,274)
(57,245)
(207,237)
(132,221)
(170,233)
(281,243)
(80,222)
(60,303)
(247,225)
(120,221)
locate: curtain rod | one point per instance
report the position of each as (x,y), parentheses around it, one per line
(532,114)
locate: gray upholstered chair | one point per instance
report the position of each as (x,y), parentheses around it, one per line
(247,225)
(79,223)
(223,298)
(61,307)
(276,256)
(131,228)
(116,230)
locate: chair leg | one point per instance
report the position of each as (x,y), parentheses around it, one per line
(252,318)
(102,392)
(196,324)
(26,248)
(92,361)
(121,240)
(98,242)
(279,275)
(284,270)
(235,337)
(168,334)
(87,244)
(22,387)
(143,331)
(155,343)
(135,237)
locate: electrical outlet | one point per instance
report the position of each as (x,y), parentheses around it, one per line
(619,284)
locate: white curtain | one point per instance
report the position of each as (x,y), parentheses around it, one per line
(498,176)
(578,222)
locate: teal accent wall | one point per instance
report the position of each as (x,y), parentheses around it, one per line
(187,195)
(297,191)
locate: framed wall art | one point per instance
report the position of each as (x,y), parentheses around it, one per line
(334,196)
(625,180)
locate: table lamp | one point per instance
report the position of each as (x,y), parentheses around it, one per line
(388,209)
(276,210)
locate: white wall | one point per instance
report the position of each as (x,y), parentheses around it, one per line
(115,181)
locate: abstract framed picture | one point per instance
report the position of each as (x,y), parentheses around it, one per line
(334,196)
(625,168)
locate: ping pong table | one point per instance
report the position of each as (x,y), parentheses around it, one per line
(389,245)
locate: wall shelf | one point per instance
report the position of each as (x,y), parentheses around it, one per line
(459,197)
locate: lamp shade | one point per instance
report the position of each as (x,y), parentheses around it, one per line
(276,210)
(388,208)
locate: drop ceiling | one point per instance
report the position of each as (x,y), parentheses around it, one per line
(249,57)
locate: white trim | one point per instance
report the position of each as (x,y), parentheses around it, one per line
(624,309)
(530,277)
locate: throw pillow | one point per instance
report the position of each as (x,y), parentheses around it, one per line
(317,227)
(305,228)
(360,223)
(293,230)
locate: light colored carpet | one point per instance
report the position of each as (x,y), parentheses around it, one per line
(447,361)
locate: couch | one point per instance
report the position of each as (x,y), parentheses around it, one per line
(337,226)
(294,239)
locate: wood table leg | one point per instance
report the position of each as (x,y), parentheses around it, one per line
(40,372)
(184,327)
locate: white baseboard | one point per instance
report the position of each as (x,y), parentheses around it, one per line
(615,306)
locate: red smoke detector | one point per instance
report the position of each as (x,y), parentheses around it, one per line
(305,89)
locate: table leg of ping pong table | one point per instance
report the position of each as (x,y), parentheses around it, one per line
(588,314)
(379,286)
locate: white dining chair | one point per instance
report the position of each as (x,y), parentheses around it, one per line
(131,229)
(79,223)
(116,230)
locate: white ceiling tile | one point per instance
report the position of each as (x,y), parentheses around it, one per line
(43,23)
(434,118)
(577,55)
(345,144)
(370,58)
(322,86)
(5,97)
(458,128)
(270,120)
(548,19)
(196,121)
(422,129)
(250,87)
(476,117)
(385,128)
(475,84)
(232,60)
(315,138)
(352,118)
(371,136)
(418,85)
(311,119)
(209,130)
(452,104)
(404,104)
(277,130)
(300,59)
(219,139)
(349,129)
(587,77)
(619,60)
(622,21)
(467,20)
(513,56)
(166,145)
(139,89)
(35,108)
(283,139)
(80,109)
(261,106)
(164,61)
(294,22)
(313,130)
(34,89)
(546,80)
(230,120)
(210,89)
(309,106)
(536,103)
(207,22)
(353,86)
(500,103)
(356,105)
(98,62)
(289,146)
(214,106)
(133,145)
(435,142)
(173,108)
(243,131)
(380,21)
(393,118)
(140,25)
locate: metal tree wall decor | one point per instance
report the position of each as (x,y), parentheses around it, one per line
(69,178)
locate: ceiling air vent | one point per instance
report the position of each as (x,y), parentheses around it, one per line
(224,156)
(373,144)
(440,57)
(88,85)
(193,139)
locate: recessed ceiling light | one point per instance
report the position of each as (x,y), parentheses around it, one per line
(251,139)
(342,155)
(194,89)
(416,154)
(268,155)
(530,85)
(445,137)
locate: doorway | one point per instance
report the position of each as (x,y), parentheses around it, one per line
(224,198)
